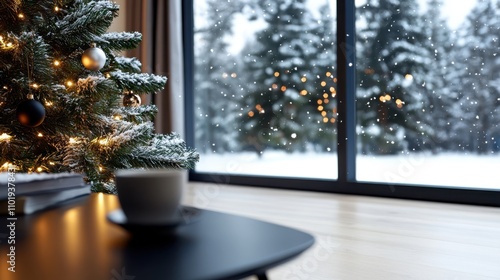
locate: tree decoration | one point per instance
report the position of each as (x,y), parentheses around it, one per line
(93,58)
(131,100)
(87,130)
(30,112)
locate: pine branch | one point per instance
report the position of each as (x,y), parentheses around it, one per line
(118,41)
(127,64)
(86,24)
(139,114)
(139,83)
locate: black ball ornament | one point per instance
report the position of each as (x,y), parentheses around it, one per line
(30,113)
(93,58)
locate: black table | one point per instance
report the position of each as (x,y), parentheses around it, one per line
(76,241)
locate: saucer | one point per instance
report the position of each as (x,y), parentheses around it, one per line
(185,216)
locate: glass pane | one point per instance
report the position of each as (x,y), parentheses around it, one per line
(428,92)
(265,87)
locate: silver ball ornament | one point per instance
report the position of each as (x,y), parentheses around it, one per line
(93,58)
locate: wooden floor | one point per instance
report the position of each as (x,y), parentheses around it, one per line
(369,238)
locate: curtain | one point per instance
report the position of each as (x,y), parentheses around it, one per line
(160,52)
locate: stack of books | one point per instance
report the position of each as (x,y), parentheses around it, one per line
(23,193)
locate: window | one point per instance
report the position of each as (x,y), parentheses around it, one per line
(428,92)
(265,87)
(265,82)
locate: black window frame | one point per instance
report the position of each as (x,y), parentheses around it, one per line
(346,125)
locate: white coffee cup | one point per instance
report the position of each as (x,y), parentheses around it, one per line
(150,196)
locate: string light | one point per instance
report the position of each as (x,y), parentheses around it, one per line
(117,117)
(57,9)
(21,16)
(69,83)
(39,169)
(73,140)
(103,142)
(57,63)
(48,103)
(40,134)
(5,137)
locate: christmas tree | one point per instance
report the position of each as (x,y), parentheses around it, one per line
(69,98)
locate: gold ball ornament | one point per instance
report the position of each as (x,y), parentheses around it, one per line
(131,100)
(93,58)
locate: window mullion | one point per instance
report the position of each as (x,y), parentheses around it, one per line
(346,69)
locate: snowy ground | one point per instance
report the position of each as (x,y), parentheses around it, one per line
(456,170)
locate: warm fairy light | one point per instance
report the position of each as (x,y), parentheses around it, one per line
(326,101)
(117,117)
(303,92)
(35,86)
(39,169)
(101,168)
(333,120)
(333,91)
(319,101)
(57,9)
(233,75)
(251,114)
(39,134)
(48,103)
(276,74)
(4,44)
(5,137)
(283,88)
(6,166)
(108,75)
(320,108)
(260,109)
(325,95)
(328,74)
(323,113)
(409,77)
(72,140)
(335,80)
(303,79)
(21,16)
(103,142)
(52,163)
(69,83)
(274,86)
(325,120)
(385,98)
(57,63)
(399,103)
(323,83)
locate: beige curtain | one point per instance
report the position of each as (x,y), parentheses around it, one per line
(160,52)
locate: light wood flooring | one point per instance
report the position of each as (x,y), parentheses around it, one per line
(370,238)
